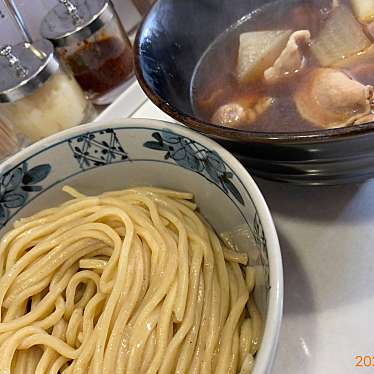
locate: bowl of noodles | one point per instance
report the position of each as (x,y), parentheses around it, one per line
(135,247)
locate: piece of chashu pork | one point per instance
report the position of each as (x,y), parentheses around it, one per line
(329,98)
(291,60)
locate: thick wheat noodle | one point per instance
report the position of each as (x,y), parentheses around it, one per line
(187,322)
(180,304)
(166,280)
(256,326)
(186,354)
(90,312)
(238,301)
(250,278)
(35,300)
(124,349)
(73,328)
(71,290)
(84,360)
(207,314)
(245,340)
(212,331)
(93,264)
(22,243)
(55,316)
(248,364)
(136,274)
(30,278)
(163,329)
(131,281)
(122,262)
(234,361)
(57,365)
(34,355)
(43,307)
(132,289)
(149,351)
(23,296)
(195,354)
(221,270)
(49,355)
(242,290)
(58,227)
(24,361)
(233,256)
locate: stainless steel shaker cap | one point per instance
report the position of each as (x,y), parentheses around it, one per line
(24,68)
(72,21)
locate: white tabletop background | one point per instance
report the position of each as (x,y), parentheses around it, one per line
(326,236)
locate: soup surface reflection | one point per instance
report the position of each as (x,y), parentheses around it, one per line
(290,66)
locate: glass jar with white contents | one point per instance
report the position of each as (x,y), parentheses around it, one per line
(38,96)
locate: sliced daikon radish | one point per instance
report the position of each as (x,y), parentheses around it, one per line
(364,10)
(257,52)
(342,36)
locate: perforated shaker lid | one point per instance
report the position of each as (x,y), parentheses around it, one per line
(71,21)
(24,68)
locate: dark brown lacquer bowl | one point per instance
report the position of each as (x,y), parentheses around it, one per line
(168,46)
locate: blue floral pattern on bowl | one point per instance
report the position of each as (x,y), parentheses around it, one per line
(97,149)
(16,186)
(188,154)
(260,239)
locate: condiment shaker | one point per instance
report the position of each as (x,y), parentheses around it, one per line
(90,38)
(37,94)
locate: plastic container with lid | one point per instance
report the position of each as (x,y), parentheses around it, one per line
(90,38)
(37,94)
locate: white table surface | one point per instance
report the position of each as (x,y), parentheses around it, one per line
(327,241)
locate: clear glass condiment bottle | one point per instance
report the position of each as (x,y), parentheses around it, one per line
(90,38)
(38,95)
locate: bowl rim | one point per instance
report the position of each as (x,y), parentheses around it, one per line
(237,135)
(266,354)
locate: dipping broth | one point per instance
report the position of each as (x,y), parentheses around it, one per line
(314,68)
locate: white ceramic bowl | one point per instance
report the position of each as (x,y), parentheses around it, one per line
(107,156)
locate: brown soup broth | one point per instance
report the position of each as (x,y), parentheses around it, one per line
(214,82)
